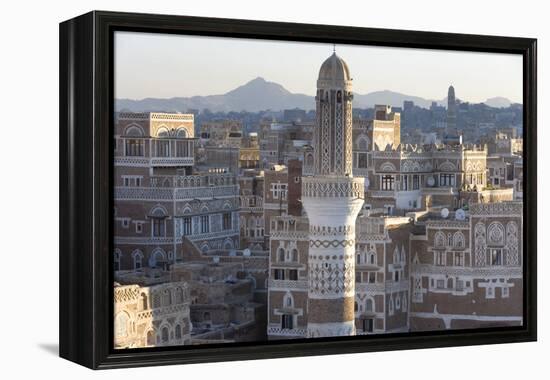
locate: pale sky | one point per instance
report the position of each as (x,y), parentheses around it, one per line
(164,66)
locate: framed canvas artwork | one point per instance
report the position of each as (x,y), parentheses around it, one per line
(235,189)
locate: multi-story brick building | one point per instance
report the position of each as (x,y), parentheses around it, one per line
(416,266)
(160,197)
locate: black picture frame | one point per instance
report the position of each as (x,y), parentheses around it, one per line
(86,125)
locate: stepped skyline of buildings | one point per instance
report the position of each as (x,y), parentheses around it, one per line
(335,225)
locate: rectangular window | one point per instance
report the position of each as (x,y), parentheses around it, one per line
(440,284)
(187,226)
(134,147)
(416,182)
(372,277)
(226,222)
(496,256)
(362,160)
(278,191)
(279,274)
(182,149)
(368,325)
(286,321)
(405,182)
(446,179)
(505,292)
(163,148)
(357,274)
(205,224)
(396,276)
(293,275)
(387,182)
(459,259)
(138,181)
(158,227)
(459,285)
(139,227)
(125,223)
(440,258)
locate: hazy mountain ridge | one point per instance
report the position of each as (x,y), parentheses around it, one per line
(259,95)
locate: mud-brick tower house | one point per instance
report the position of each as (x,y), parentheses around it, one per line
(332,198)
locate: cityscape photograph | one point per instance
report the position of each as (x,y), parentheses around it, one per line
(269,190)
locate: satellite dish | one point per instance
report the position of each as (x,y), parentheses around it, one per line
(246,252)
(460,214)
(430,181)
(445,213)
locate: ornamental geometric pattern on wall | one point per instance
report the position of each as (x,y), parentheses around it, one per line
(349,143)
(338,140)
(496,209)
(481,244)
(331,278)
(325,140)
(335,188)
(331,243)
(495,233)
(512,254)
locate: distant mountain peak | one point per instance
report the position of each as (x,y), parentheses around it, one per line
(260,94)
(258,80)
(498,102)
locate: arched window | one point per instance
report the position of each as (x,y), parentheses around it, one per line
(369,305)
(158,221)
(178,331)
(116,259)
(167,298)
(157,258)
(164,334)
(362,143)
(495,234)
(294,255)
(144,305)
(372,258)
(228,244)
(439,240)
(137,256)
(134,143)
(133,131)
(458,240)
(151,338)
(396,255)
(387,167)
(288,300)
(121,324)
(281,254)
(179,295)
(309,159)
(181,133)
(163,132)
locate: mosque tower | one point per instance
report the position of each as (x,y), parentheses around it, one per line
(451,111)
(332,198)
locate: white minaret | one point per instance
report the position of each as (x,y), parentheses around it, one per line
(332,199)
